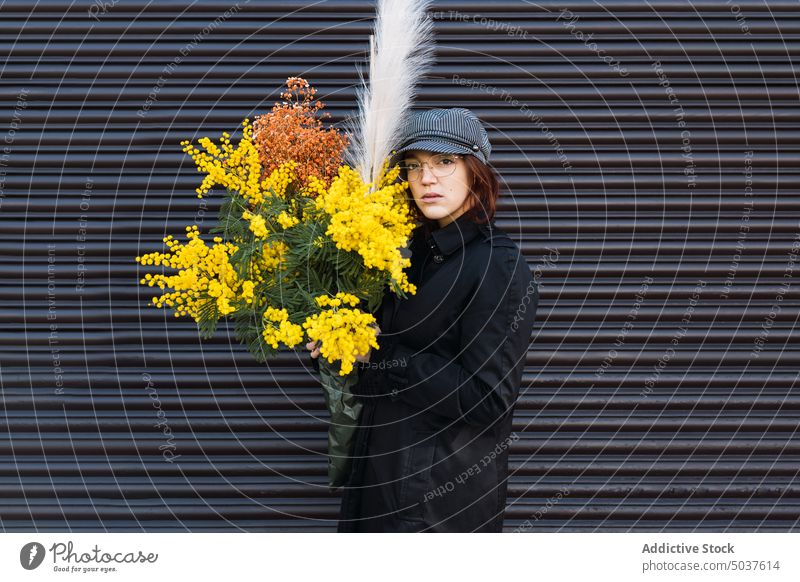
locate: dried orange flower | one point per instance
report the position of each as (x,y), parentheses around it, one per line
(293,132)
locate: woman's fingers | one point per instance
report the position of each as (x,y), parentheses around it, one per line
(314,347)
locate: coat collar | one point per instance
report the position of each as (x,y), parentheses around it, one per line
(462,230)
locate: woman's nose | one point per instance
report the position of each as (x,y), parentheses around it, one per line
(427,175)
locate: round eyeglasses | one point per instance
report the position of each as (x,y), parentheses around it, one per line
(441,166)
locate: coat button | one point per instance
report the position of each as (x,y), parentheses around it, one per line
(393,394)
(438,258)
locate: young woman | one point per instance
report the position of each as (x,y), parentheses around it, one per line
(431,450)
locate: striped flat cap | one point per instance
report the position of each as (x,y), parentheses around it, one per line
(445,131)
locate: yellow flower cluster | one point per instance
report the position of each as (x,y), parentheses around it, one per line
(287,221)
(375,223)
(247,291)
(315,186)
(204,274)
(258,225)
(388,176)
(344,333)
(275,314)
(278,181)
(287,332)
(263,265)
(238,169)
(325,301)
(272,256)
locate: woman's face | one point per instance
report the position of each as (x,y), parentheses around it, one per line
(453,190)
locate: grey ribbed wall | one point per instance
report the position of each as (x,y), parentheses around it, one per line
(632,229)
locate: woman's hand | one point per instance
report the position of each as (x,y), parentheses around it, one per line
(314,347)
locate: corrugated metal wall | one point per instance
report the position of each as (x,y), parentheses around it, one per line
(652,153)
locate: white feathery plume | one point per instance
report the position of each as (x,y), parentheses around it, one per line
(401,52)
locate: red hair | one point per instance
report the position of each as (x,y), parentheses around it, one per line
(484,189)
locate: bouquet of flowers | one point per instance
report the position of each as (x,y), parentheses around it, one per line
(304,248)
(306,245)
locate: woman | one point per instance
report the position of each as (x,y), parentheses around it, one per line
(431,451)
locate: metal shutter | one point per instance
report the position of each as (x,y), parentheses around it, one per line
(650,174)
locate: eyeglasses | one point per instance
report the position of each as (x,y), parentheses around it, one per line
(441,166)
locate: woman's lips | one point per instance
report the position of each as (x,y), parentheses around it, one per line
(431,197)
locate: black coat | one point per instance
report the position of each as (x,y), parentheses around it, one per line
(431,450)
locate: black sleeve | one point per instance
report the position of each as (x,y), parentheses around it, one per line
(482,383)
(372,375)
